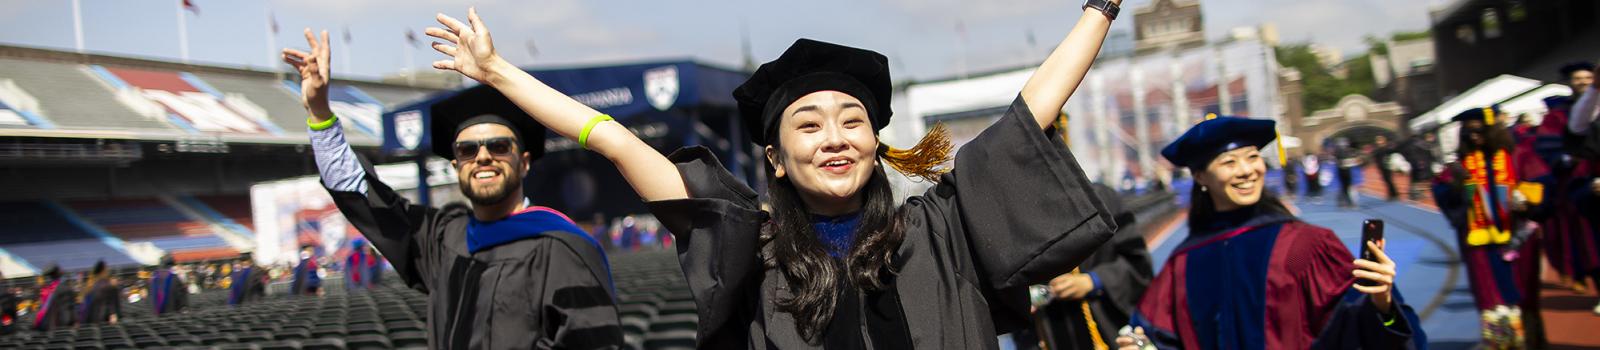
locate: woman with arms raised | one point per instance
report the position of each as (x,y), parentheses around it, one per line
(835,263)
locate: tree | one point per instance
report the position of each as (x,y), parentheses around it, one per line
(1322,89)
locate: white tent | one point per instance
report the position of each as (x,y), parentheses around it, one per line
(1492,91)
(1532,102)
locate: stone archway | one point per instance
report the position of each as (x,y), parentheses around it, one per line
(1354,115)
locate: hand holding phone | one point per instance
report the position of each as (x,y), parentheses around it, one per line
(1371,231)
(1375,272)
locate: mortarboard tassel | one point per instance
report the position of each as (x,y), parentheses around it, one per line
(924,159)
(1283,159)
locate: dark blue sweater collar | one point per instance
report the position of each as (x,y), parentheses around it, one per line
(837,233)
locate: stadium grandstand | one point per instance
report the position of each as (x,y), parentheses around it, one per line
(126,159)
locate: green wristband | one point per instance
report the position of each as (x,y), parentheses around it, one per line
(323,125)
(583,137)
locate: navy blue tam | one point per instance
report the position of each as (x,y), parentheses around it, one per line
(1203,142)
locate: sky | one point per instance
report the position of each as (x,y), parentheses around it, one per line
(925,39)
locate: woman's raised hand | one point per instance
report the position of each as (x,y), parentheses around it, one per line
(469,46)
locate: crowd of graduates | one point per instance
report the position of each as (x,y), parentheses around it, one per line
(57,300)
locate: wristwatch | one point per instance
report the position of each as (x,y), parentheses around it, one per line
(1105,6)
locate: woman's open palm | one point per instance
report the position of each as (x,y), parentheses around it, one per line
(469,46)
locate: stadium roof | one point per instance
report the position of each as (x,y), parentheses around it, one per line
(57,94)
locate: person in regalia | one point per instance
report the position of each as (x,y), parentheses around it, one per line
(8,310)
(1570,240)
(1252,276)
(101,301)
(361,268)
(248,282)
(56,300)
(1085,308)
(305,280)
(500,273)
(836,263)
(1483,197)
(168,293)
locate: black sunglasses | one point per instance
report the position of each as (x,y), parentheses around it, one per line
(498,146)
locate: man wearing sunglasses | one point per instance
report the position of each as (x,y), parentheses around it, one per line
(500,274)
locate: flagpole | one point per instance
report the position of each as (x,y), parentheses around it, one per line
(410,69)
(272,43)
(77,24)
(183,34)
(345,52)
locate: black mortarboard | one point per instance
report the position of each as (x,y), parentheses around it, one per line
(1567,70)
(1206,140)
(809,66)
(1486,114)
(478,105)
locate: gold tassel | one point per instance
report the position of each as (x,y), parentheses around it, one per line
(1283,159)
(923,160)
(1488,116)
(1210,116)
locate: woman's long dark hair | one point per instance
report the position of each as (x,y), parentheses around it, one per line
(815,278)
(1202,211)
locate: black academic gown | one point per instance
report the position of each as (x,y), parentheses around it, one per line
(548,291)
(248,285)
(1123,269)
(58,310)
(100,302)
(168,293)
(8,313)
(1016,211)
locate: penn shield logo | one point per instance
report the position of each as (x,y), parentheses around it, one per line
(408,128)
(661,87)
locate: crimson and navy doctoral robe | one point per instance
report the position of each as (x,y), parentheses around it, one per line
(1267,281)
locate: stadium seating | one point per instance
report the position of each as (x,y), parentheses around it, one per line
(70,96)
(37,232)
(153,221)
(656,308)
(282,109)
(233,208)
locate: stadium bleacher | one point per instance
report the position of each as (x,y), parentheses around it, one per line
(156,222)
(41,234)
(89,140)
(71,98)
(229,209)
(656,310)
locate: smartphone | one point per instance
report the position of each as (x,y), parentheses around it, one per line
(1371,231)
